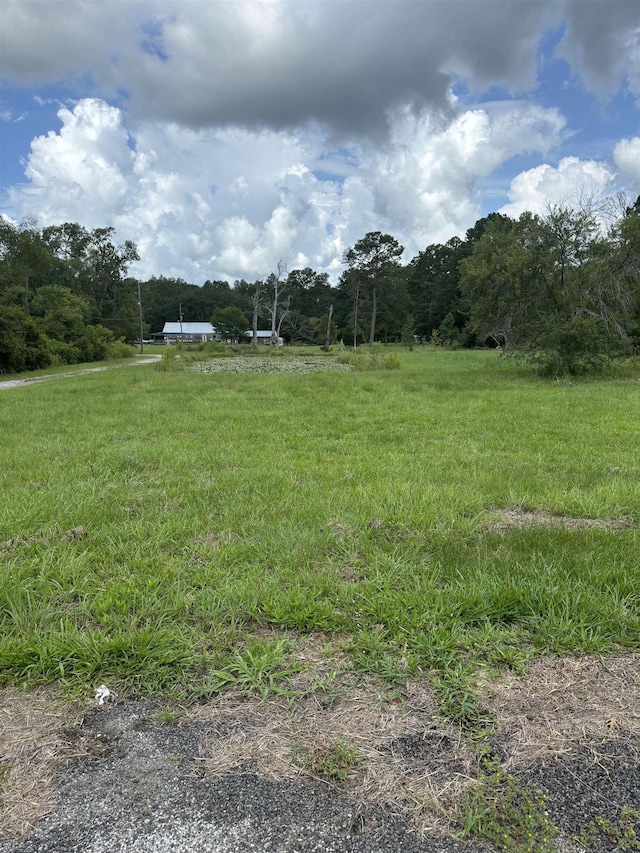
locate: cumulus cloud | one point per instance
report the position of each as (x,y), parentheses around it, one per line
(573,178)
(229,203)
(626,156)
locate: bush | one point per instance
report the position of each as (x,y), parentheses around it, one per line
(170,361)
(370,358)
(118,349)
(62,353)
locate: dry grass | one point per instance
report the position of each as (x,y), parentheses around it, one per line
(33,747)
(408,761)
(520,518)
(565,702)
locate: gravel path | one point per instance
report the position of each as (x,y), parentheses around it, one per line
(19,383)
(141,786)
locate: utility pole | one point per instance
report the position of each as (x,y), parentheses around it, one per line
(140,312)
(180,309)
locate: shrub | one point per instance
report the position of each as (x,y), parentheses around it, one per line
(373,358)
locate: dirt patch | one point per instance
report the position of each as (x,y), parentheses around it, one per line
(35,743)
(75,534)
(215,540)
(404,762)
(521,519)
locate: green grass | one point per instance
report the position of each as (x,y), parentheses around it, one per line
(353,503)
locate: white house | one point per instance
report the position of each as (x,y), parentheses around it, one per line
(190,333)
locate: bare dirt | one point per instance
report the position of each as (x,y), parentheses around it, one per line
(233,775)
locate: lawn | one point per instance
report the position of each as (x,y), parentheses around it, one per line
(452,515)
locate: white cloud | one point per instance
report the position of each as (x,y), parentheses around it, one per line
(425,182)
(231,203)
(626,156)
(84,166)
(573,178)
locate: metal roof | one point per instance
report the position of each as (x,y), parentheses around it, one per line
(188,329)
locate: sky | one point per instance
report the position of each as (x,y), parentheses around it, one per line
(222,136)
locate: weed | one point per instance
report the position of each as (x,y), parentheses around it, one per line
(331,763)
(499,810)
(166,716)
(259,668)
(374,358)
(620,832)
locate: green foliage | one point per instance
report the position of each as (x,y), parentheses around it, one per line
(56,285)
(373,262)
(230,323)
(261,667)
(408,333)
(167,715)
(547,289)
(620,832)
(501,811)
(375,358)
(433,281)
(332,763)
(23,346)
(447,334)
(170,361)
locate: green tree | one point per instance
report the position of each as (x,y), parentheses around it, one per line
(60,313)
(22,345)
(230,323)
(374,259)
(543,288)
(408,332)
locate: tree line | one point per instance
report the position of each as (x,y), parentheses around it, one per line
(561,290)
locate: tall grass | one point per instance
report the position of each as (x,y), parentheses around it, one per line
(153,522)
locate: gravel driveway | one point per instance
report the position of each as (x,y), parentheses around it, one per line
(133,777)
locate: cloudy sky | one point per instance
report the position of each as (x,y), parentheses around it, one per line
(223,135)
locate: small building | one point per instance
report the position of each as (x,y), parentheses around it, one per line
(188,333)
(264,337)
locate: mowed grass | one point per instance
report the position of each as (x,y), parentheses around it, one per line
(152,525)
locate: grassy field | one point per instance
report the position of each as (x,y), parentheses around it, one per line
(454,514)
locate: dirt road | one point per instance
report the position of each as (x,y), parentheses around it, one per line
(19,383)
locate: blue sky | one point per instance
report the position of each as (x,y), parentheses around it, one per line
(221,137)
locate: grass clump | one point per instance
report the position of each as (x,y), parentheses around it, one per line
(261,667)
(498,809)
(370,358)
(332,763)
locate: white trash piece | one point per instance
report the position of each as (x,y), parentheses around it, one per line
(103,694)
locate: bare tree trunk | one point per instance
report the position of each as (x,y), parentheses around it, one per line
(282,316)
(374,305)
(328,341)
(274,311)
(254,322)
(355,318)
